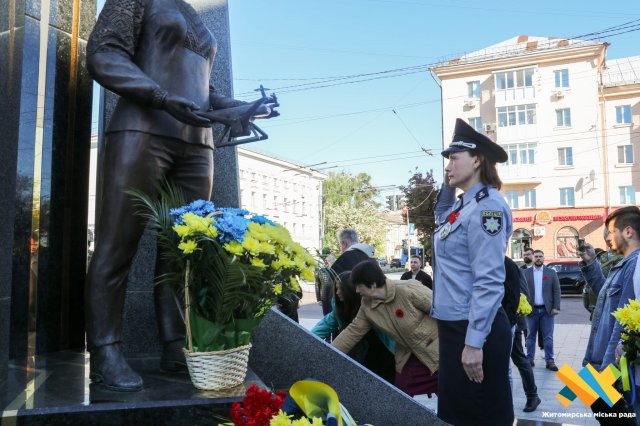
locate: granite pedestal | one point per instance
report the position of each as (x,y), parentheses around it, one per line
(55,390)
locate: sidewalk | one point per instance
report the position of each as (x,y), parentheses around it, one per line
(570,343)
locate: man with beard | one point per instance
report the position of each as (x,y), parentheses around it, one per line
(527,258)
(544,296)
(612,293)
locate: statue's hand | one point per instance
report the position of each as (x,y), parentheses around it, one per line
(183,109)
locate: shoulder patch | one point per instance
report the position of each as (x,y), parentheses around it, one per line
(483,193)
(492,221)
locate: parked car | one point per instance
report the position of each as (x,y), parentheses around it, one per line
(569,275)
(396,263)
(382,261)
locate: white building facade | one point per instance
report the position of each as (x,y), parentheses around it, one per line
(569,123)
(284,192)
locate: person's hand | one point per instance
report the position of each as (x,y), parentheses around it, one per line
(618,353)
(472,363)
(554,311)
(588,255)
(183,109)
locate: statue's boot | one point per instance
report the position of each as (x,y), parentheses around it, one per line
(109,368)
(173,359)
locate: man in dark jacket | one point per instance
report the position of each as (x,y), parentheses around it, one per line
(352,252)
(416,273)
(514,285)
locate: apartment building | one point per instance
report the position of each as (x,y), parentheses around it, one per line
(568,119)
(284,192)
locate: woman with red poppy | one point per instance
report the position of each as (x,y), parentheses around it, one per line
(400,309)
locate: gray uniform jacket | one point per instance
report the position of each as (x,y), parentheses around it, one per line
(469,267)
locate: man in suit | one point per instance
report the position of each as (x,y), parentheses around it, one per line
(416,273)
(544,289)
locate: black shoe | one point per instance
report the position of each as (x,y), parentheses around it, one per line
(552,366)
(109,368)
(533,364)
(173,360)
(532,404)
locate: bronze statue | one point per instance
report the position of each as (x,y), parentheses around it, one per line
(157,55)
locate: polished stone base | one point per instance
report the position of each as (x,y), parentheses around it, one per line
(56,390)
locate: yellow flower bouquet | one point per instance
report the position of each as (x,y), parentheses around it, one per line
(629,318)
(524,308)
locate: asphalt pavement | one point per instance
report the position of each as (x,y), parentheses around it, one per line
(571,335)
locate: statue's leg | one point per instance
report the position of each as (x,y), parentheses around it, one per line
(193,172)
(132,160)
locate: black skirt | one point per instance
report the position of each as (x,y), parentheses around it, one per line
(463,402)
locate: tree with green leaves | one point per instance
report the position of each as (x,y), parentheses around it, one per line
(420,195)
(349,202)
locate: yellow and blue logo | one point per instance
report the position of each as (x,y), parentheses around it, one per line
(588,385)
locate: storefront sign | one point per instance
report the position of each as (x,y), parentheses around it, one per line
(523,219)
(571,218)
(543,218)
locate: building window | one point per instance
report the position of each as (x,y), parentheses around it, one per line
(517,115)
(286,205)
(304,208)
(512,199)
(627,195)
(562,78)
(521,153)
(563,117)
(623,114)
(565,156)
(520,239)
(264,201)
(567,242)
(625,154)
(476,123)
(473,89)
(514,79)
(567,198)
(530,198)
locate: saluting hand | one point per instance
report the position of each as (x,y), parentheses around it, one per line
(472,363)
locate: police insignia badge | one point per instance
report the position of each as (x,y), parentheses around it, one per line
(491,221)
(445,231)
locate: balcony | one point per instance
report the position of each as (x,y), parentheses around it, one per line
(519,174)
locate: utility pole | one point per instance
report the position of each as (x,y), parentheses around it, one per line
(408,235)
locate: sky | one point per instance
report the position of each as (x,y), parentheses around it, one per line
(383,125)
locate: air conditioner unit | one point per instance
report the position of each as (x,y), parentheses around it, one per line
(538,231)
(490,127)
(559,94)
(470,103)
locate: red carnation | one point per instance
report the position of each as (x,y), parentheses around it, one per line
(399,313)
(545,277)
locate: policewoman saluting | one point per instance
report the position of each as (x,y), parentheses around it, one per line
(469,246)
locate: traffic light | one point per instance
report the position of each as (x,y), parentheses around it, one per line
(391,199)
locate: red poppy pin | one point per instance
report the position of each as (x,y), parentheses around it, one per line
(545,277)
(399,313)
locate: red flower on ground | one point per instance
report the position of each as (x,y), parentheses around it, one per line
(399,313)
(257,407)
